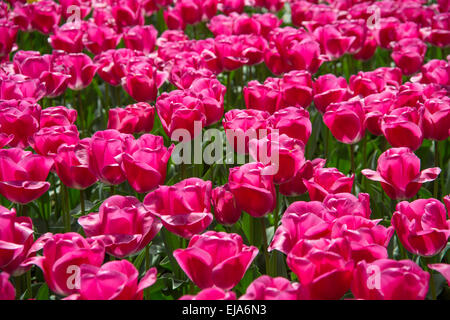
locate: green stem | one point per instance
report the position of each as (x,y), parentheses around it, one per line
(437,164)
(147,267)
(264,244)
(28,281)
(66,208)
(83,210)
(228,90)
(429,260)
(113,189)
(81,113)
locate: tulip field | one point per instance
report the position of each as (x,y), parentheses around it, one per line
(224,150)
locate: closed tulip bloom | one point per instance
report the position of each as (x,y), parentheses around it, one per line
(123,224)
(289,153)
(47,140)
(242,125)
(142,87)
(401,127)
(292,121)
(62,257)
(184,208)
(16,239)
(296,89)
(57,116)
(442,268)
(253,189)
(387,279)
(376,106)
(180,110)
(212,94)
(81,69)
(324,267)
(115,280)
(211,294)
(296,186)
(329,89)
(301,220)
(145,162)
(343,204)
(23,175)
(5,139)
(346,121)
(262,96)
(422,226)
(434,71)
(226,209)
(328,181)
(72,165)
(134,118)
(7,290)
(398,171)
(141,38)
(127,13)
(368,240)
(268,288)
(216,259)
(367,83)
(19,118)
(68,38)
(83,5)
(332,41)
(44,15)
(100,38)
(105,156)
(408,54)
(8,32)
(436,119)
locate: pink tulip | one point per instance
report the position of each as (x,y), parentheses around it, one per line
(72,165)
(211,294)
(377,105)
(346,121)
(44,15)
(8,35)
(253,189)
(408,54)
(343,204)
(367,83)
(99,38)
(399,173)
(57,116)
(115,280)
(267,288)
(135,118)
(23,175)
(226,209)
(301,220)
(141,38)
(434,71)
(328,181)
(47,140)
(296,89)
(216,259)
(145,162)
(264,97)
(105,156)
(123,224)
(81,69)
(443,268)
(68,38)
(332,41)
(212,94)
(329,89)
(436,119)
(184,208)
(127,13)
(387,279)
(20,87)
(290,153)
(180,110)
(401,127)
(83,5)
(422,226)
(292,121)
(16,239)
(368,240)
(141,86)
(5,139)
(19,118)
(63,255)
(7,290)
(296,186)
(324,267)
(242,125)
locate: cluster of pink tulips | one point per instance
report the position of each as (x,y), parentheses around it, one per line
(352,99)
